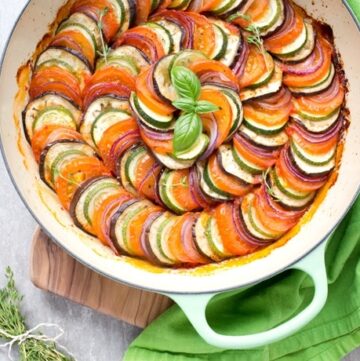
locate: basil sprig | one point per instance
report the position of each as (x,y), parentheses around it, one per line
(188,126)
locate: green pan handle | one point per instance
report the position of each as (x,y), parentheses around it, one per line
(354,8)
(194,306)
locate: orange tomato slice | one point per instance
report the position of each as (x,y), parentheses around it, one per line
(226,182)
(227,229)
(73,174)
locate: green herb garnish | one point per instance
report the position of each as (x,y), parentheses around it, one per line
(188,126)
(32,346)
(105,47)
(255,35)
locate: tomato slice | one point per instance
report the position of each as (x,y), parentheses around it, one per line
(103,214)
(84,44)
(226,182)
(57,80)
(147,96)
(204,35)
(314,148)
(93,9)
(50,133)
(158,146)
(323,103)
(288,33)
(95,91)
(146,177)
(273,118)
(181,191)
(73,174)
(145,40)
(143,11)
(232,242)
(122,134)
(223,116)
(255,67)
(223,73)
(135,229)
(271,220)
(293,80)
(255,12)
(111,74)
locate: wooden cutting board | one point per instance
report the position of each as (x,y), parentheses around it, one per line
(53,270)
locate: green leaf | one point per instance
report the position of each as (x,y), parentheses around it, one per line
(187,130)
(185,82)
(185,104)
(204,106)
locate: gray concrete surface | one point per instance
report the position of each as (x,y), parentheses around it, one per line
(89,335)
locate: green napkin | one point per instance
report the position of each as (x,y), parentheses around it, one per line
(334,333)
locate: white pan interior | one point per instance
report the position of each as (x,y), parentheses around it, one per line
(29,30)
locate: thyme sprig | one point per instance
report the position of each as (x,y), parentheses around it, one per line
(32,346)
(104,52)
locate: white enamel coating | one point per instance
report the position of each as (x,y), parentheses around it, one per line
(30,29)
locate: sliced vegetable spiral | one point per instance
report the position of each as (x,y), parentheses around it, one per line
(100,121)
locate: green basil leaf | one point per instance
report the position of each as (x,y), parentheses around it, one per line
(187,130)
(185,82)
(204,106)
(185,104)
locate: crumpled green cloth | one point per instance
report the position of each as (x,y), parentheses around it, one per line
(330,336)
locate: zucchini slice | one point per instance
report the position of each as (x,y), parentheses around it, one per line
(274,140)
(203,236)
(179,4)
(128,166)
(175,31)
(165,192)
(88,197)
(116,224)
(245,164)
(169,161)
(63,59)
(252,223)
(317,125)
(221,43)
(149,117)
(289,197)
(130,52)
(82,24)
(226,6)
(208,186)
(232,167)
(121,221)
(186,58)
(100,115)
(233,42)
(311,164)
(272,86)
(49,109)
(58,154)
(158,238)
(163,34)
(195,151)
(162,79)
(120,62)
(305,50)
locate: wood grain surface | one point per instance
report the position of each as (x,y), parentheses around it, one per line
(53,270)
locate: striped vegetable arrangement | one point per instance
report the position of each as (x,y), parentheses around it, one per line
(104,111)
